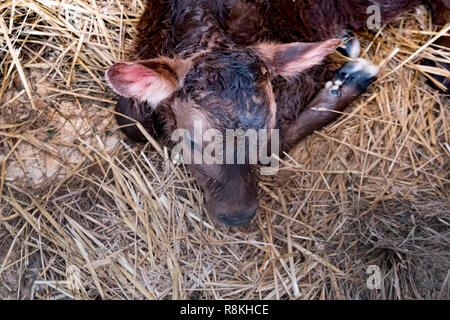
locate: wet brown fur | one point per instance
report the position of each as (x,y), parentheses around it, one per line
(228,84)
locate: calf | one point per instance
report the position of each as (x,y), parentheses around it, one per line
(243,64)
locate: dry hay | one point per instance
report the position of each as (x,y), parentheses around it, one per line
(85,213)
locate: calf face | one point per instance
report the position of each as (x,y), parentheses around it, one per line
(222,88)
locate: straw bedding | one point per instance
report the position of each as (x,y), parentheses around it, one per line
(87,214)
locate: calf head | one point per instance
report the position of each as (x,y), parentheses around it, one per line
(226,88)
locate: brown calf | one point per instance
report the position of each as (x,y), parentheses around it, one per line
(246,64)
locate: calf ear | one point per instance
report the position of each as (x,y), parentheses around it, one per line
(292,58)
(148,81)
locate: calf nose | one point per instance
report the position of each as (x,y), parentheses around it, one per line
(240,219)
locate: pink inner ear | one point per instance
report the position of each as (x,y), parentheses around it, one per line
(130,79)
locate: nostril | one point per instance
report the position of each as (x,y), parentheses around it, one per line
(238,220)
